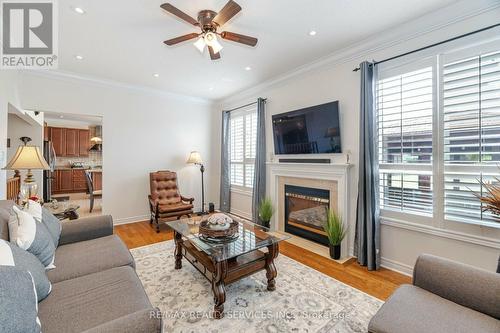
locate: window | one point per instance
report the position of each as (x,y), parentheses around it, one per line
(242,147)
(471,110)
(438,137)
(404,122)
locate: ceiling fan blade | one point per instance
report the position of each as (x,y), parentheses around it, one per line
(179,13)
(230,9)
(234,37)
(181,39)
(213,55)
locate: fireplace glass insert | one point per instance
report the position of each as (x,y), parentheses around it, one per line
(305,212)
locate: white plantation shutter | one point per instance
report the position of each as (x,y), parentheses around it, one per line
(243,139)
(404,122)
(236,144)
(471,133)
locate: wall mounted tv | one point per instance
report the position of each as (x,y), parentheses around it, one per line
(312,130)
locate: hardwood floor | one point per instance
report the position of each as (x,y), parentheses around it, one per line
(379,284)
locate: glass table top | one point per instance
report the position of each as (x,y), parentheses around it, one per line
(251,237)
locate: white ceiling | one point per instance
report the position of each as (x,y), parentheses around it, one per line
(121,40)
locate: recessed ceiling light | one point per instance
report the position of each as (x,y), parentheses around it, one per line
(79,10)
(61,116)
(156,75)
(248,68)
(211,88)
(312,33)
(78,57)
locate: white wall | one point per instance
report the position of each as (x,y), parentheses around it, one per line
(16,129)
(144,131)
(332,79)
(8,94)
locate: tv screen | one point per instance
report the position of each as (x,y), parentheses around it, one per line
(312,130)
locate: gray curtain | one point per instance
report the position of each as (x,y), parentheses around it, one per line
(225,182)
(259,177)
(367,237)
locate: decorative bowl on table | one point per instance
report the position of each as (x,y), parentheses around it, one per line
(218,228)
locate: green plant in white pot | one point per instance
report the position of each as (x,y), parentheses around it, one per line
(266,211)
(335,230)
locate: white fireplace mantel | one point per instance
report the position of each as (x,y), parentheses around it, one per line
(338,172)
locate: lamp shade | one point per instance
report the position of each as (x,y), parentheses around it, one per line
(194,158)
(27,157)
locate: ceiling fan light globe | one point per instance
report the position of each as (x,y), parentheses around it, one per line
(200,44)
(216,46)
(210,37)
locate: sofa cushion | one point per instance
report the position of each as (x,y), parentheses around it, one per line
(18,301)
(31,235)
(412,309)
(91,256)
(12,255)
(5,208)
(88,301)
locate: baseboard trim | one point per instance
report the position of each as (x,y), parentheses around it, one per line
(132,219)
(396,266)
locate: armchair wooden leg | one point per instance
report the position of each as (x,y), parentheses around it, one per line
(91,203)
(157,225)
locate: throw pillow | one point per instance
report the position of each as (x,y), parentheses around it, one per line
(32,236)
(11,255)
(44,216)
(18,301)
(53,225)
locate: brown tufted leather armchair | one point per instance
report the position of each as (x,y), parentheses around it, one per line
(165,201)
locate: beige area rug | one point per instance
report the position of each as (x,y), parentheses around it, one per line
(305,300)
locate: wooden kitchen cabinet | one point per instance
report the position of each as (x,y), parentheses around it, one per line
(69,142)
(58,138)
(72,144)
(83,142)
(97,181)
(66,180)
(79,182)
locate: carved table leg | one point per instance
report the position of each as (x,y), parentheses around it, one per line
(178,250)
(271,271)
(219,289)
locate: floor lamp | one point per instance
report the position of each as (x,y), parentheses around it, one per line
(195,158)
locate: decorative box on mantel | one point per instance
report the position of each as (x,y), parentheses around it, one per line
(302,192)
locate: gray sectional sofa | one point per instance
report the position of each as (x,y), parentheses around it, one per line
(94,286)
(446,296)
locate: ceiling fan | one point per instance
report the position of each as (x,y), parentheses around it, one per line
(209,21)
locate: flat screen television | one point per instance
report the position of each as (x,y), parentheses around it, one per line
(312,130)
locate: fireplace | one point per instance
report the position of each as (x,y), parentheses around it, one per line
(305,212)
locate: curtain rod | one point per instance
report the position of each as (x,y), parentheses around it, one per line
(244,106)
(432,45)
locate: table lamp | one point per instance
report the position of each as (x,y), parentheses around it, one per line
(195,158)
(27,158)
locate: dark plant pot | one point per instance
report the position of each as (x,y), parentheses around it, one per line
(266,224)
(335,251)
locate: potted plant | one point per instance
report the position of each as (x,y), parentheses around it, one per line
(491,197)
(266,211)
(336,231)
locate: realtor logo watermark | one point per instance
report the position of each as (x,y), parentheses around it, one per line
(29,34)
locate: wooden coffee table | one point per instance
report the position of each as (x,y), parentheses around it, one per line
(223,263)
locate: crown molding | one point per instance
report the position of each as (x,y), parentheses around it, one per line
(441,18)
(92,80)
